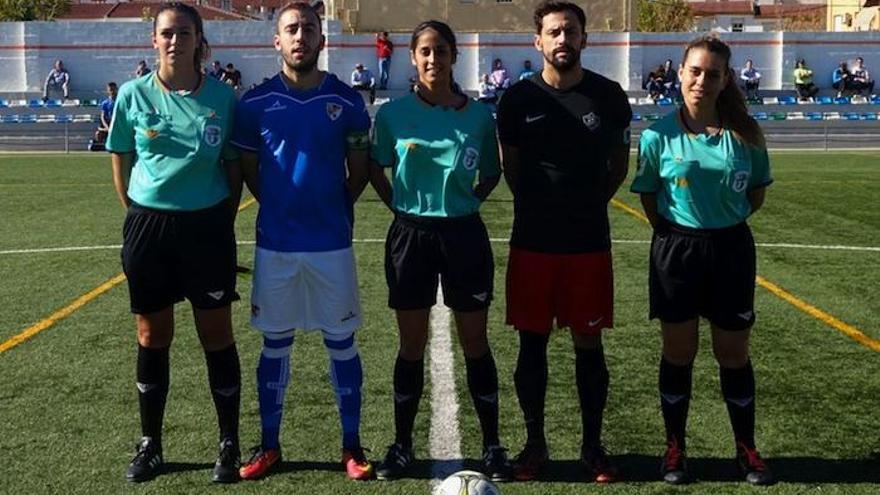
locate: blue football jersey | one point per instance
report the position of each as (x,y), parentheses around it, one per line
(302,138)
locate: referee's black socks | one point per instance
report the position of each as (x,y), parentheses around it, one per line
(152,385)
(482,379)
(409,382)
(738,388)
(591,375)
(530,379)
(224,376)
(675,399)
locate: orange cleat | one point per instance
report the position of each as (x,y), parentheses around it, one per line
(357,467)
(260,463)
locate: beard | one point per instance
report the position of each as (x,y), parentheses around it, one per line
(303,66)
(566,65)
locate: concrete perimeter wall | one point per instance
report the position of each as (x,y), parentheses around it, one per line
(97,52)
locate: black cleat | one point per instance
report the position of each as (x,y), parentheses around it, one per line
(495,463)
(674,465)
(228,462)
(752,466)
(147,463)
(397,462)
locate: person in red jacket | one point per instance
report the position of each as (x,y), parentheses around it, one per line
(384,49)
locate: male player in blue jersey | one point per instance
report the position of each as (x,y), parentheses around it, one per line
(297,132)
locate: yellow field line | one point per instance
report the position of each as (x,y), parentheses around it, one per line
(78,303)
(833,322)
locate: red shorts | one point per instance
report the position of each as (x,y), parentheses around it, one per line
(575,289)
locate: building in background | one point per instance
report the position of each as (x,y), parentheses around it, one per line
(759,16)
(853,15)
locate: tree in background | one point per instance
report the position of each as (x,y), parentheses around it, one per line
(664,16)
(32,10)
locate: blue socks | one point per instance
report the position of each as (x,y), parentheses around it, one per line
(347,377)
(273,374)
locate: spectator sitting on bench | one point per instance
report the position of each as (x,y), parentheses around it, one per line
(751,79)
(362,80)
(670,79)
(841,79)
(58,80)
(488,94)
(861,79)
(803,80)
(654,83)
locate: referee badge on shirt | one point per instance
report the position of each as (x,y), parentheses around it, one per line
(740,181)
(471,158)
(212,135)
(591,120)
(334,110)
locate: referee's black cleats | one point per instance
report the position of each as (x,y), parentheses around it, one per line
(495,463)
(674,465)
(752,466)
(397,462)
(228,462)
(147,462)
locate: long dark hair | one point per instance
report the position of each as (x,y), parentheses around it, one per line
(446,33)
(731,103)
(203,51)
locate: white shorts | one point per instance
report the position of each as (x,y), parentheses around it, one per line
(308,291)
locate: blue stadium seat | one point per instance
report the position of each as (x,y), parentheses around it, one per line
(9,119)
(841,100)
(824,100)
(875,99)
(852,116)
(814,115)
(35,103)
(63,119)
(760,116)
(53,103)
(787,100)
(28,119)
(4,103)
(637,117)
(664,102)
(869,116)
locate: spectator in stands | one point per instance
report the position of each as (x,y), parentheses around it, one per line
(670,79)
(803,80)
(654,83)
(841,79)
(488,93)
(142,69)
(106,113)
(499,77)
(751,79)
(362,80)
(384,49)
(861,79)
(527,71)
(58,80)
(217,71)
(232,76)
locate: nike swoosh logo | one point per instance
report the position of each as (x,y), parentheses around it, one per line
(745,316)
(595,322)
(530,119)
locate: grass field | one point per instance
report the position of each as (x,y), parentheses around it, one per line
(68,411)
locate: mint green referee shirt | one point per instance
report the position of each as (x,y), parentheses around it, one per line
(178,138)
(701,181)
(437,155)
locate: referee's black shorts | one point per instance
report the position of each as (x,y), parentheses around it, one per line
(703,272)
(171,255)
(419,249)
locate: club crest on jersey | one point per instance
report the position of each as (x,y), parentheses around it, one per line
(471,158)
(334,110)
(740,181)
(212,135)
(591,120)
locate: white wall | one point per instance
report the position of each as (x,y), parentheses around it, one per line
(97,52)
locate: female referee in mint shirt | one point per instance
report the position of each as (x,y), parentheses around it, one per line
(438,143)
(168,142)
(702,172)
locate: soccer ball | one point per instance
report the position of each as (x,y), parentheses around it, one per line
(467,483)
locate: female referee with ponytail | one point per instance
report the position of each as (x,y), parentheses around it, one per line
(702,172)
(443,153)
(168,143)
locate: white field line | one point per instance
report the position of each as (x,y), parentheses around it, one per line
(444,437)
(786,245)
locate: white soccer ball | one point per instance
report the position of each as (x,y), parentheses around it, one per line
(467,483)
